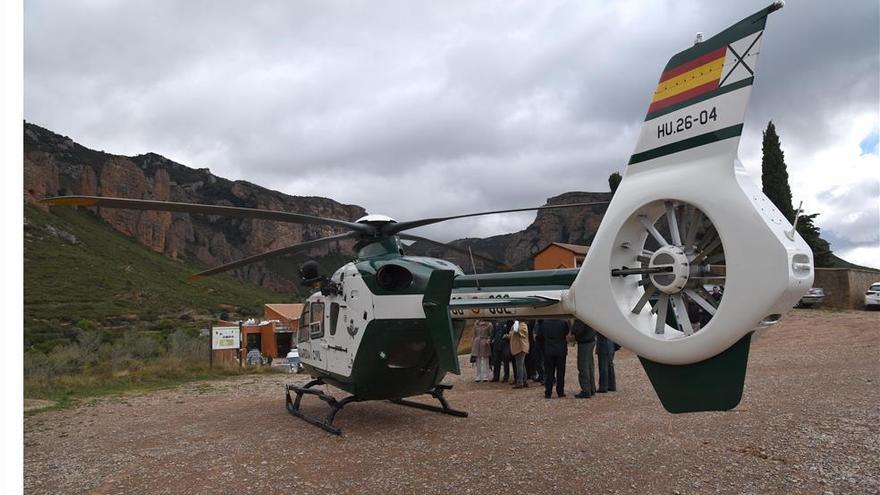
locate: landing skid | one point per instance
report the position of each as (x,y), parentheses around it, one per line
(437,393)
(326,424)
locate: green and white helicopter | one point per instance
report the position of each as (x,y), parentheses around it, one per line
(386,326)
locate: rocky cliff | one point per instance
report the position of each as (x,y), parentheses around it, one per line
(56,165)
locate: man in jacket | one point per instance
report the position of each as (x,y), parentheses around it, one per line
(554,333)
(605,349)
(519,347)
(585,337)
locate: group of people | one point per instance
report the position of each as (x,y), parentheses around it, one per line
(698,315)
(537,351)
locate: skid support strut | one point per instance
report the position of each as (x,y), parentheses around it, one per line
(437,393)
(335,405)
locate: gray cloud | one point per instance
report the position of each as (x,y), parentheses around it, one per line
(421,109)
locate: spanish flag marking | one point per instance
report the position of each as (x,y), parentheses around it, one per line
(689,80)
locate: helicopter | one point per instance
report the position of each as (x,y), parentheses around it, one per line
(386,326)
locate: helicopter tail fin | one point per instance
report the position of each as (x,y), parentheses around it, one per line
(703,93)
(436,306)
(714,384)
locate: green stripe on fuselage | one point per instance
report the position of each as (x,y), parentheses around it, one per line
(686,144)
(508,281)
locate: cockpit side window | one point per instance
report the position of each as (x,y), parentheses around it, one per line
(334,317)
(316,326)
(304,321)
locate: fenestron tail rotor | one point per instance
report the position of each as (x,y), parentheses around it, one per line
(681,254)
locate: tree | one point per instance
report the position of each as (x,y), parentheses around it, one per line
(774,182)
(774,175)
(822,255)
(614,181)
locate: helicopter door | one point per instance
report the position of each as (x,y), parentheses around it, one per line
(317,339)
(337,350)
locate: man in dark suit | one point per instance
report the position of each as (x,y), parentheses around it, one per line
(585,337)
(536,351)
(554,333)
(605,349)
(499,331)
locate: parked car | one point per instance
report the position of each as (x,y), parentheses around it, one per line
(293,361)
(814,297)
(872,296)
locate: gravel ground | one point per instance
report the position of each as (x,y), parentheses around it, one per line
(809,422)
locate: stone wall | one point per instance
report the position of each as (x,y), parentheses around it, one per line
(845,288)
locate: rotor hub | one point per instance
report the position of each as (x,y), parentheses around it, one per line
(375,219)
(670,282)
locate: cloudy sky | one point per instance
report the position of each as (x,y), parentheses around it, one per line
(422,109)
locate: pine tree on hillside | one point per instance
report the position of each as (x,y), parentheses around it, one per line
(774,181)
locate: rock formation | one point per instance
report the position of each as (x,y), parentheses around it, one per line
(56,165)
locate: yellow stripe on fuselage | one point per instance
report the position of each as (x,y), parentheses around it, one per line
(698,76)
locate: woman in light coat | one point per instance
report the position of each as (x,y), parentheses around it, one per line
(481,349)
(519,347)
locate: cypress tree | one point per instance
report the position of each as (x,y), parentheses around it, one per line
(774,181)
(774,175)
(614,181)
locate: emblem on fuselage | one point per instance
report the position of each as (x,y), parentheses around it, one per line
(352,330)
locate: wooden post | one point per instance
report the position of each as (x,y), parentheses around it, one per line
(240,356)
(210,345)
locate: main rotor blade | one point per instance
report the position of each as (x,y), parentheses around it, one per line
(270,254)
(394,228)
(494,262)
(148,204)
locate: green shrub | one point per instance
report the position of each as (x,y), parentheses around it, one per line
(87,325)
(139,346)
(187,345)
(67,359)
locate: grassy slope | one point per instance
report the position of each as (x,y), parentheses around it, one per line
(115,282)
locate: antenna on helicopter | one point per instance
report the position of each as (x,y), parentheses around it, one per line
(793,232)
(474,266)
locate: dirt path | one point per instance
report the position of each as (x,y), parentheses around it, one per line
(809,422)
